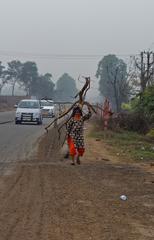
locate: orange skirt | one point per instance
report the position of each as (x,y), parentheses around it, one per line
(73,151)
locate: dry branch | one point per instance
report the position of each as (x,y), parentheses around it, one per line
(56,119)
(81,94)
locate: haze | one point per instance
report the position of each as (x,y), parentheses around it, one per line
(80,27)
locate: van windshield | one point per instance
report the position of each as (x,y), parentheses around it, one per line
(29,104)
(46,103)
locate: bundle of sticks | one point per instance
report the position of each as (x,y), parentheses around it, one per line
(81,95)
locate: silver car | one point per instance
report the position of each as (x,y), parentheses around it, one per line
(48,108)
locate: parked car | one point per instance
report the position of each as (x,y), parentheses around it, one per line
(28,110)
(48,108)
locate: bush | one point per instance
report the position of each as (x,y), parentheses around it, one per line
(151,133)
(131,122)
(126,106)
(144,104)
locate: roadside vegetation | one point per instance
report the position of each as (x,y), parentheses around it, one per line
(25,75)
(125,144)
(130,90)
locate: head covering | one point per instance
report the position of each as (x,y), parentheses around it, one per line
(76,109)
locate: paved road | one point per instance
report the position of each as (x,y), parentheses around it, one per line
(18,142)
(7,116)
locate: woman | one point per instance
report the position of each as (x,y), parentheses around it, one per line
(75,137)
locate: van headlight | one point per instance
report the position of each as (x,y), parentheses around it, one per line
(36,115)
(18,114)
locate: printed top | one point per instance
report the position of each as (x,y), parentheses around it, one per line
(75,130)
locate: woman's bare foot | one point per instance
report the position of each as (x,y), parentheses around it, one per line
(78,160)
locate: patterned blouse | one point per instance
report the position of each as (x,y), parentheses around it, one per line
(75,130)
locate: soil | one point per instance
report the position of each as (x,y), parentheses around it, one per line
(5,108)
(46,198)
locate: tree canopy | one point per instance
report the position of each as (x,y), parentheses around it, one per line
(113,84)
(29,76)
(66,88)
(44,87)
(13,73)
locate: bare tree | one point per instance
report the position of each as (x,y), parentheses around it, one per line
(120,85)
(145,65)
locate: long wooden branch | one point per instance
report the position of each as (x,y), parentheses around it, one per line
(81,94)
(83,90)
(89,106)
(46,128)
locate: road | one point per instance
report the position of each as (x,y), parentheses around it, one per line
(46,198)
(17,142)
(6,116)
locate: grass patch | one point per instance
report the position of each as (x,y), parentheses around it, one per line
(125,143)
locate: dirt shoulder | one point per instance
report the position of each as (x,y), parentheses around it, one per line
(5,108)
(120,149)
(47,198)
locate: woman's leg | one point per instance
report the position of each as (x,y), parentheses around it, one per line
(73,160)
(78,159)
(72,150)
(80,152)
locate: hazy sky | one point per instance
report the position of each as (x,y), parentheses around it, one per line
(74,27)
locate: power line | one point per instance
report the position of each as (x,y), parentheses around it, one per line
(59,56)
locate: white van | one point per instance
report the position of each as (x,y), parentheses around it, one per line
(48,109)
(28,110)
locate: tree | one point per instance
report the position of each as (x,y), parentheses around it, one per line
(145,103)
(29,77)
(3,79)
(113,83)
(145,66)
(66,88)
(13,73)
(44,86)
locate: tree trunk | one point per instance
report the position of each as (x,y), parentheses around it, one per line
(13,86)
(0,90)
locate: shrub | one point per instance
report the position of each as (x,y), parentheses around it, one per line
(151,133)
(131,122)
(144,104)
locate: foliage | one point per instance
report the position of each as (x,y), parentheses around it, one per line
(66,88)
(145,104)
(3,80)
(29,77)
(113,83)
(133,122)
(13,73)
(126,107)
(150,134)
(26,75)
(44,87)
(126,144)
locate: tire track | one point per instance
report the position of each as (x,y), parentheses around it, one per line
(12,212)
(13,186)
(11,121)
(40,222)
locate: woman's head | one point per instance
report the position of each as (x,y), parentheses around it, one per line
(77,111)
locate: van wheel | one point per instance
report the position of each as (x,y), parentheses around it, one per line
(17,122)
(39,122)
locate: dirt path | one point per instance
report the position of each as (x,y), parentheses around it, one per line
(46,198)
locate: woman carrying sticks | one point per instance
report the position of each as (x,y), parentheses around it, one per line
(75,134)
(75,124)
